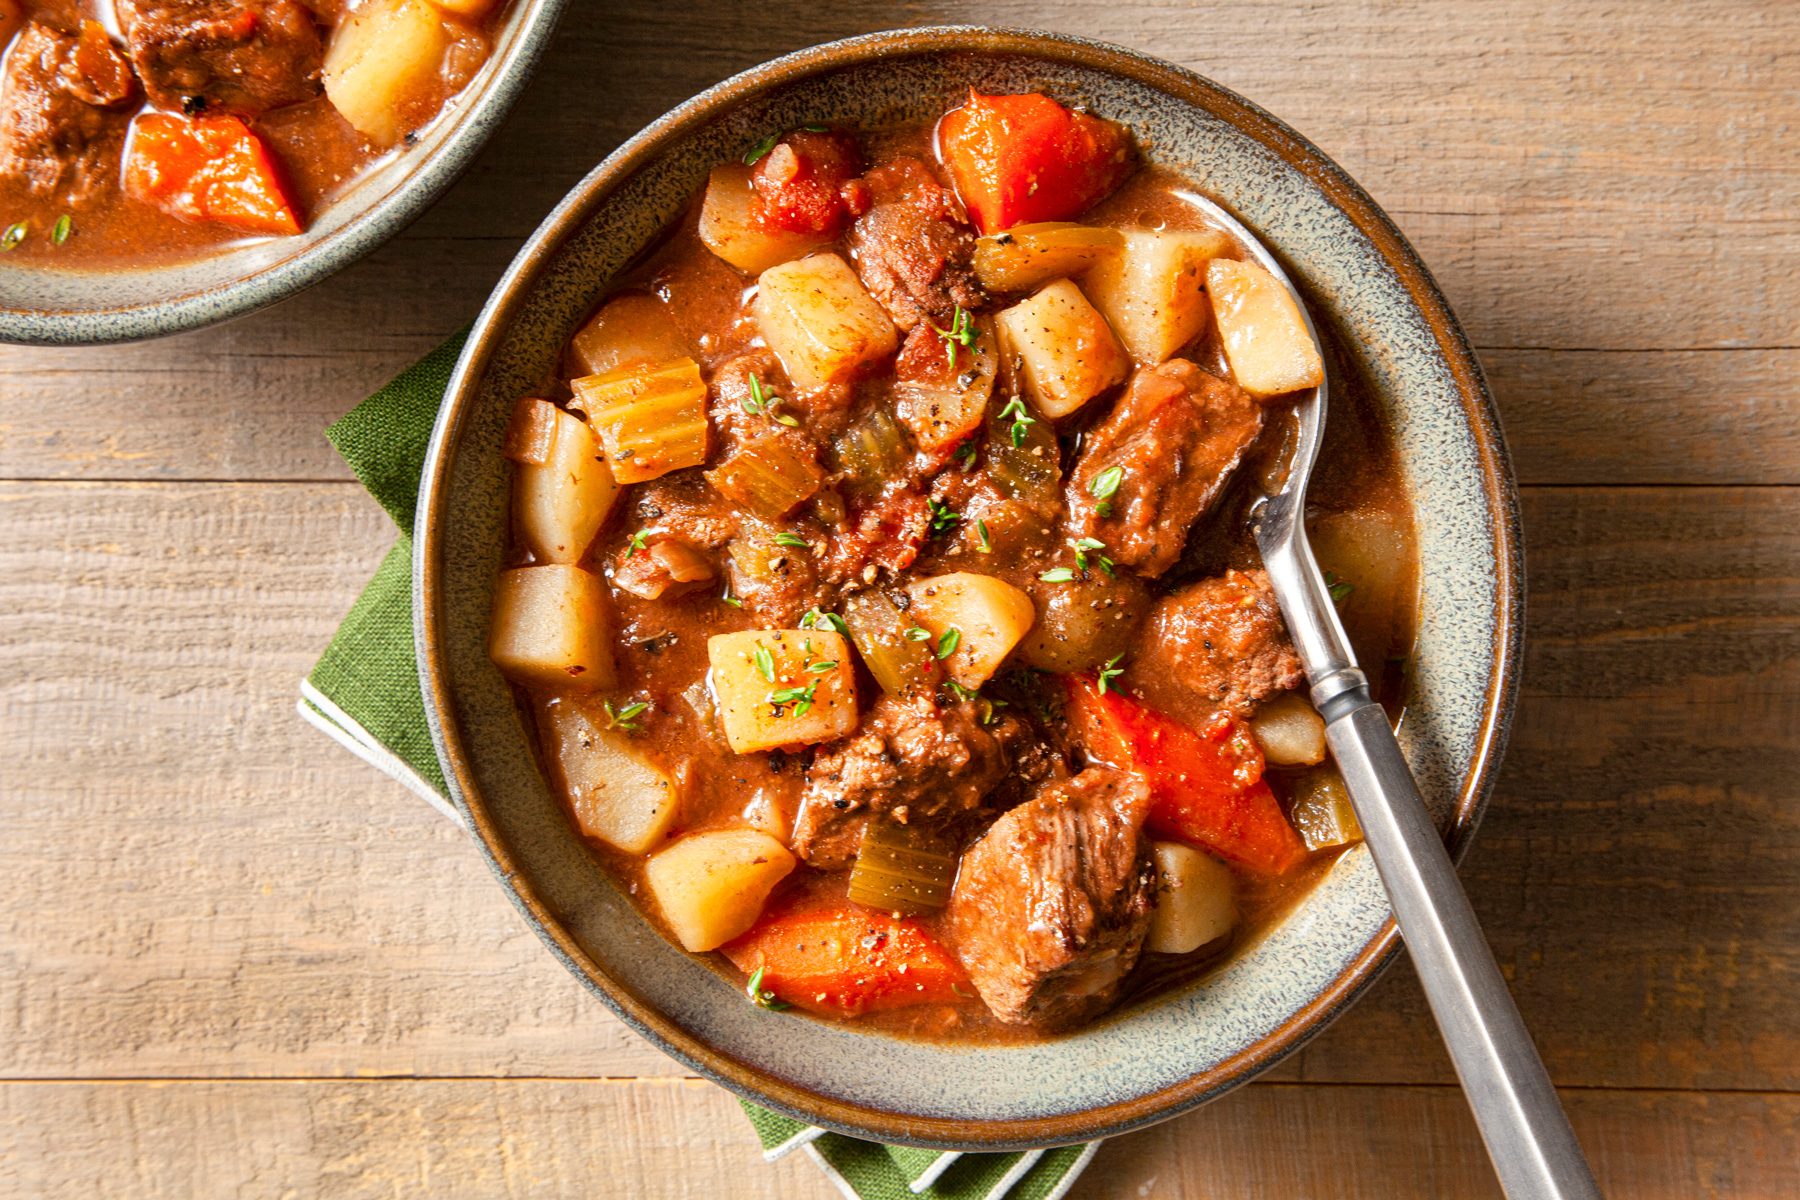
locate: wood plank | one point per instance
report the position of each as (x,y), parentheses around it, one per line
(194,883)
(1567,197)
(1355,1142)
(678,1140)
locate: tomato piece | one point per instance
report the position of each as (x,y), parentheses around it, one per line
(799,183)
(1017,159)
(846,960)
(208,169)
(1206,785)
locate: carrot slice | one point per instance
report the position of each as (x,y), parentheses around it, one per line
(1206,785)
(208,169)
(848,960)
(1027,158)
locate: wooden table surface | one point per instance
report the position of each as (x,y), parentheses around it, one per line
(234,961)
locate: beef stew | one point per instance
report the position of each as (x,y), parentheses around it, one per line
(883,593)
(143,131)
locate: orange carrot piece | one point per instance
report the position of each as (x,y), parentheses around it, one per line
(1206,785)
(848,960)
(1017,159)
(208,169)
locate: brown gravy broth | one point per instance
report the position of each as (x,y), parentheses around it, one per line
(318,152)
(1357,503)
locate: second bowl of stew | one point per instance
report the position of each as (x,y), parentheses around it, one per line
(840,616)
(166,164)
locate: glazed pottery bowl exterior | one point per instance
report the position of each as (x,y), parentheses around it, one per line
(1155,1058)
(46,306)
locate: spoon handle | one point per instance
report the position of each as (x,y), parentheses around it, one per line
(1528,1137)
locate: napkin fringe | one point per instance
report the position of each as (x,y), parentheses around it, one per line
(319,712)
(805,1137)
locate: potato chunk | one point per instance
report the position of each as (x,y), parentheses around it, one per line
(562,501)
(820,322)
(1066,352)
(381,62)
(1266,343)
(634,330)
(1193,905)
(1290,733)
(1154,294)
(712,886)
(990,617)
(619,793)
(730,230)
(1028,255)
(550,628)
(782,687)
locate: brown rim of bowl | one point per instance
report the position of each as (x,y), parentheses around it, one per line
(802,1103)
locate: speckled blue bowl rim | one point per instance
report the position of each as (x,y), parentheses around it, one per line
(1502,617)
(361,220)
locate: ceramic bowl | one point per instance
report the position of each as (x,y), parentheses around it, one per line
(1159,1057)
(45,306)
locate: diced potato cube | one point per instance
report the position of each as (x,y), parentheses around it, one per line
(550,628)
(631,331)
(1194,904)
(562,502)
(619,793)
(381,62)
(821,324)
(651,420)
(730,230)
(1290,733)
(782,687)
(1027,255)
(990,617)
(1267,345)
(1066,352)
(1154,293)
(712,886)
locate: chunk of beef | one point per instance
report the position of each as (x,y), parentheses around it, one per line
(1218,644)
(1051,906)
(60,128)
(1175,437)
(241,56)
(912,762)
(682,505)
(912,247)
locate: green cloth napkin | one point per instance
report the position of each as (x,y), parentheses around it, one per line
(364,693)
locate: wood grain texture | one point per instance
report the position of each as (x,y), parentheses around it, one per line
(223,897)
(1587,181)
(678,1140)
(236,962)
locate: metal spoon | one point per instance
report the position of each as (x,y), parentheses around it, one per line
(1527,1134)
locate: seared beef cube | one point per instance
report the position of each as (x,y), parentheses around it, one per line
(241,56)
(59,131)
(911,762)
(1170,443)
(1218,644)
(913,245)
(1051,906)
